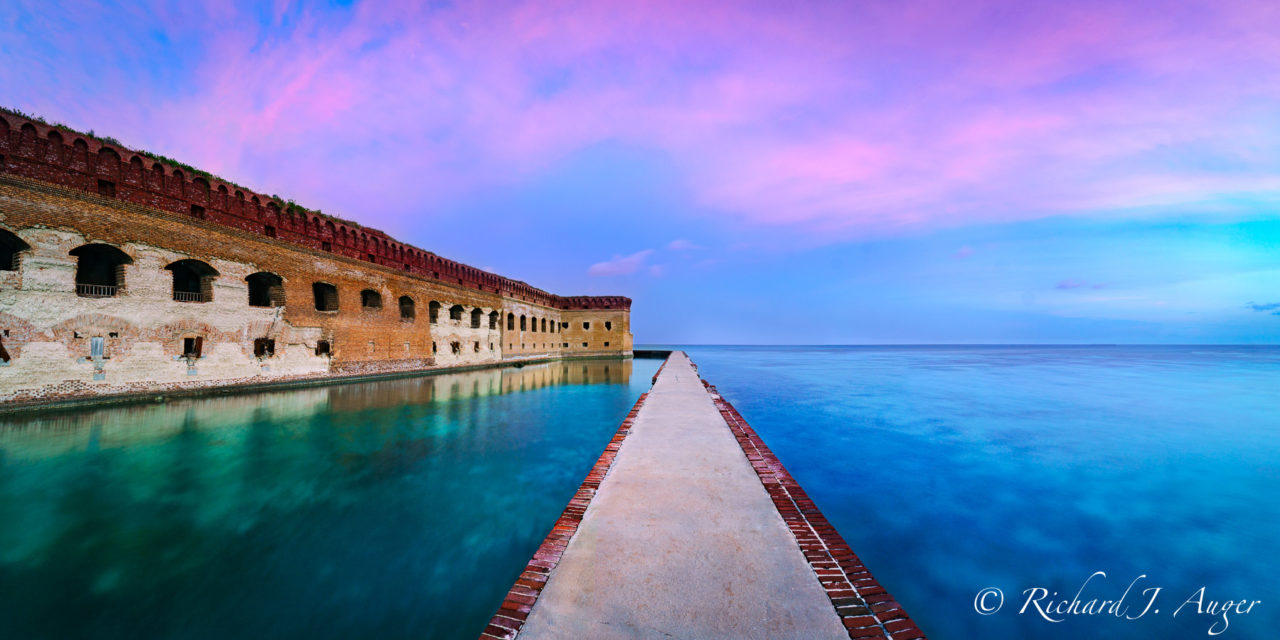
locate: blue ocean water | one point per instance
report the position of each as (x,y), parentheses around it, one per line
(406,508)
(950,470)
(395,509)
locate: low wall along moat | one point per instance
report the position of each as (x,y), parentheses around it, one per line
(121,274)
(688,526)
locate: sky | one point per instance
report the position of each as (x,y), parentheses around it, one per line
(749,173)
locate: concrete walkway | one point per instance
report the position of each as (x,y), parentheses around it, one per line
(681,540)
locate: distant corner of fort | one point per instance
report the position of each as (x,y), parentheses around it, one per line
(126,273)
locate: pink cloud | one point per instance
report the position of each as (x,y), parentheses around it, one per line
(837,120)
(622,265)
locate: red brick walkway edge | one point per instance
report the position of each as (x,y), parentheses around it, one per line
(524,593)
(866,608)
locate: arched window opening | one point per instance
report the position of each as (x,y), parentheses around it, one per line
(11,248)
(455,312)
(157,176)
(99,270)
(80,153)
(511,322)
(370,299)
(27,139)
(202,188)
(523,325)
(476,316)
(54,151)
(433,311)
(108,162)
(192,280)
(326,296)
(493,320)
(406,308)
(265,290)
(544,325)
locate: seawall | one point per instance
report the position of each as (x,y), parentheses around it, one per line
(689,526)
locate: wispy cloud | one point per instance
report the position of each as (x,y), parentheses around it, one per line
(963,252)
(1273,307)
(1075,283)
(774,116)
(620,265)
(682,245)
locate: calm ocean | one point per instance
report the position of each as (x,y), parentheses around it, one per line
(405,508)
(953,469)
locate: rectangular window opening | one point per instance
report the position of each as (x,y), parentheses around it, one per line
(107,188)
(265,347)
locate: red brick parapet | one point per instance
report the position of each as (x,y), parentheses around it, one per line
(864,606)
(524,593)
(52,153)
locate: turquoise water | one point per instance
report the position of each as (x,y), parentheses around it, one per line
(950,470)
(406,508)
(394,509)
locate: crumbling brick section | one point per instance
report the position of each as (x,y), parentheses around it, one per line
(864,606)
(524,593)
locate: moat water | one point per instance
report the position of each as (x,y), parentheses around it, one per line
(953,469)
(393,509)
(405,509)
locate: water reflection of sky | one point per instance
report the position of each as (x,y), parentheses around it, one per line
(400,508)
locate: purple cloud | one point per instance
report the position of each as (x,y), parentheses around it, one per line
(781,118)
(1070,283)
(682,245)
(621,265)
(963,252)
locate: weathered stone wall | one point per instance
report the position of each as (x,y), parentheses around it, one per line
(48,327)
